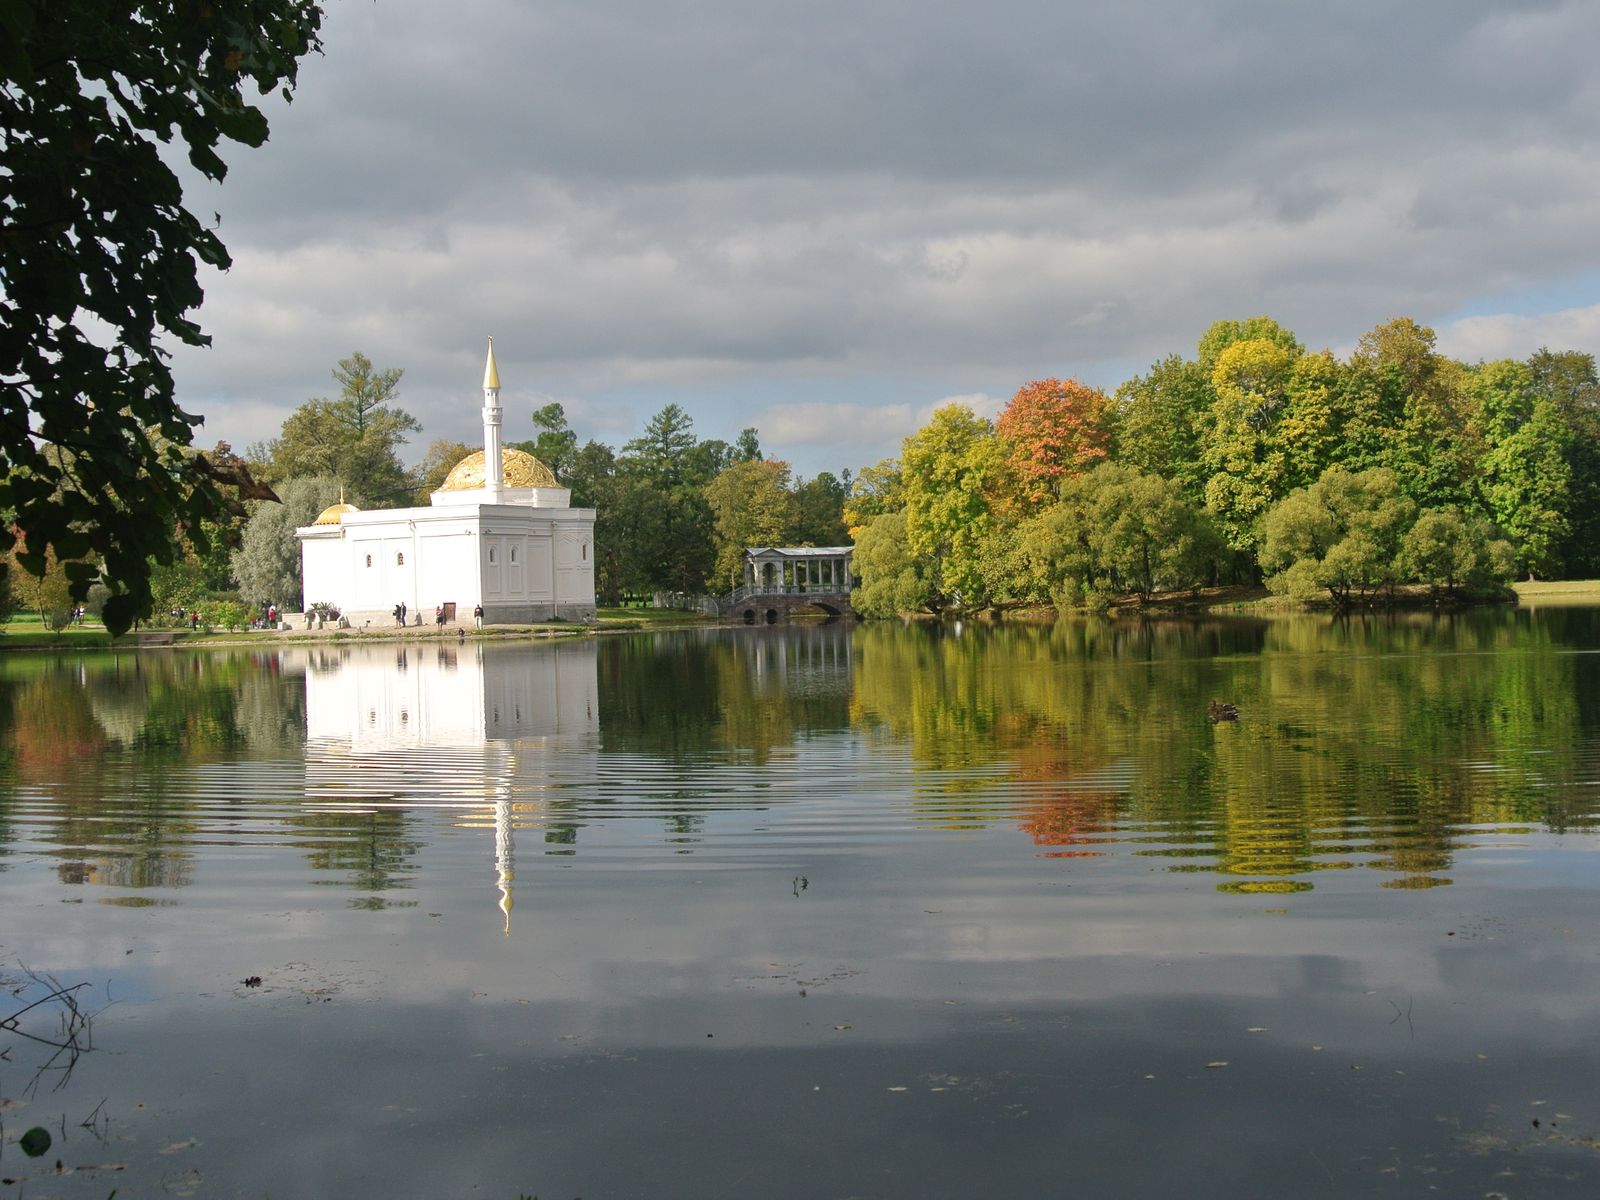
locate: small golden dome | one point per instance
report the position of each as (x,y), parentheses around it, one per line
(521,470)
(334,513)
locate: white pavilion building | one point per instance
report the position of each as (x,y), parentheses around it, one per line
(500,531)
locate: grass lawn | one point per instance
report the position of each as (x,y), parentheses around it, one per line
(26,631)
(1563,591)
(647,618)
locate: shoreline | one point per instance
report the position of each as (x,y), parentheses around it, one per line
(1234,600)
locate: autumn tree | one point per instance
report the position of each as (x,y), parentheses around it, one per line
(47,593)
(1222,334)
(1053,428)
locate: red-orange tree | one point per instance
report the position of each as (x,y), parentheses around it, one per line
(1054,428)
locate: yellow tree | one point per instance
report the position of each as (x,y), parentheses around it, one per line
(751,505)
(1240,447)
(953,471)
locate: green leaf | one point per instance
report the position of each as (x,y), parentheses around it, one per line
(35,1142)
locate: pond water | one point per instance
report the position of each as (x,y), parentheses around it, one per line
(812,912)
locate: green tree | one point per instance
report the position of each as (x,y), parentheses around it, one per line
(1342,535)
(179,585)
(1451,552)
(875,491)
(662,451)
(747,447)
(98,268)
(355,438)
(1527,480)
(267,563)
(819,511)
(1568,380)
(1115,530)
(595,482)
(893,580)
(556,445)
(1159,420)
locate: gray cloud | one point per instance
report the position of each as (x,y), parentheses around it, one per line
(754,207)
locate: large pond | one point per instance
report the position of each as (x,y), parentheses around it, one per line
(811,912)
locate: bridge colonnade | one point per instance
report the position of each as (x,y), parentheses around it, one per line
(790,570)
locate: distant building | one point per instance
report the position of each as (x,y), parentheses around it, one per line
(499,532)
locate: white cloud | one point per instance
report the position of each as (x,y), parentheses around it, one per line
(719,207)
(1509,335)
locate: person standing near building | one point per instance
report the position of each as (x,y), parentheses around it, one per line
(477,615)
(438,616)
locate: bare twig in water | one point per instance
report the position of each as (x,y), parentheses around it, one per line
(72,1035)
(1398,1013)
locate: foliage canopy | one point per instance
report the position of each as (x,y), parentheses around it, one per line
(98,267)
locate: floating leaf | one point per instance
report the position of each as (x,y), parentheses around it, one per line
(1211,1066)
(35,1142)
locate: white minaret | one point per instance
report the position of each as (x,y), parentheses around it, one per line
(493,473)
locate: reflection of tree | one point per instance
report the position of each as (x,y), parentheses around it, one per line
(1370,743)
(100,736)
(742,693)
(1071,824)
(717,699)
(370,851)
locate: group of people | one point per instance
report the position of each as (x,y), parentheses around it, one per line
(400,610)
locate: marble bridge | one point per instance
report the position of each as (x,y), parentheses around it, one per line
(780,581)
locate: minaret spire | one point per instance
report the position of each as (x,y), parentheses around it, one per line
(493,474)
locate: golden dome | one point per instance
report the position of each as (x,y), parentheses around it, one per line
(334,513)
(521,470)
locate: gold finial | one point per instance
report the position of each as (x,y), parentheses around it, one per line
(491,376)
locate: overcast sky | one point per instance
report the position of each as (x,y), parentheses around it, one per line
(824,218)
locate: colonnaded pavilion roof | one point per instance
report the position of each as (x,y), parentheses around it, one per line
(800,551)
(519,469)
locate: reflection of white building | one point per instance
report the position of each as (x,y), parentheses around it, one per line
(499,532)
(473,728)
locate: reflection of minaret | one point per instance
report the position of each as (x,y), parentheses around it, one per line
(482,731)
(505,856)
